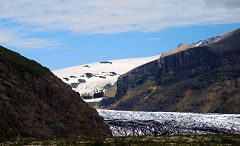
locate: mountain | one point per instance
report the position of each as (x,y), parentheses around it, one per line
(35,103)
(91,78)
(200,77)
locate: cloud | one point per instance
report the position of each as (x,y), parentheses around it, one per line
(17,39)
(226,3)
(24,18)
(107,16)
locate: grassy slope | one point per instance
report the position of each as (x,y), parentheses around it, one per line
(35,103)
(22,63)
(132,141)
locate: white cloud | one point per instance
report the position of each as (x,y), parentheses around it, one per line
(17,39)
(108,16)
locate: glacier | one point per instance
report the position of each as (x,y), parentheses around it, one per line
(139,123)
(102,73)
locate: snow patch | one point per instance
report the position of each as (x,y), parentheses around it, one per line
(198,44)
(93,100)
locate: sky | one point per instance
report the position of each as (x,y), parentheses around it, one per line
(64,33)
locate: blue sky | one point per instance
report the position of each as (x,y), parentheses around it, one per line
(62,33)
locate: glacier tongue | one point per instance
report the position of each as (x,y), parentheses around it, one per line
(138,123)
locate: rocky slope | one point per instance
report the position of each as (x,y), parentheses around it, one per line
(201,78)
(35,103)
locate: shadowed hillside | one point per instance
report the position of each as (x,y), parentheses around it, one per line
(35,103)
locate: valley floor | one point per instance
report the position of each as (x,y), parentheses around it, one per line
(199,140)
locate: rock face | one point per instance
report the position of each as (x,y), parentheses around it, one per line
(35,103)
(204,78)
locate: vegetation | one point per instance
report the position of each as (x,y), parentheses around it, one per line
(132,141)
(22,63)
(35,103)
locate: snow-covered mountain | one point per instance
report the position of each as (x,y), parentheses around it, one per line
(137,123)
(90,78)
(212,39)
(206,42)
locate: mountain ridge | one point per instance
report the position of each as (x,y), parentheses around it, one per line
(197,79)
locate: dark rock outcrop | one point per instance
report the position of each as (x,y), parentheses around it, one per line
(98,94)
(89,75)
(35,103)
(113,73)
(102,77)
(105,62)
(86,66)
(74,85)
(81,81)
(67,79)
(196,79)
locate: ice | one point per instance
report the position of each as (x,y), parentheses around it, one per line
(134,123)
